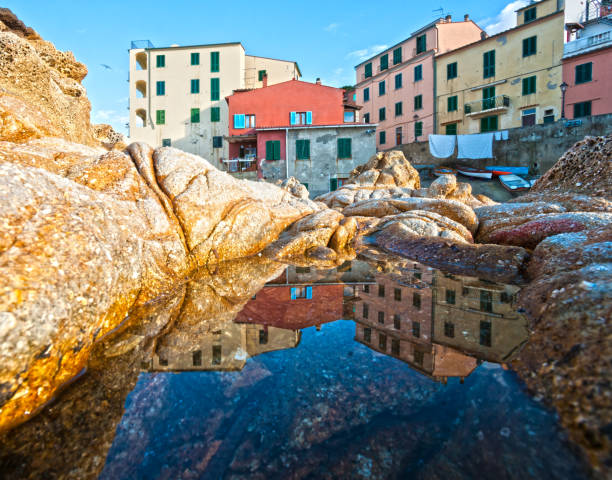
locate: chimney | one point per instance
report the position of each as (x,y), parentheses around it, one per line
(448,19)
(318,81)
(466,18)
(265,80)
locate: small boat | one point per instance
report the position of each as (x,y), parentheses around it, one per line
(514,183)
(475,172)
(439,171)
(499,170)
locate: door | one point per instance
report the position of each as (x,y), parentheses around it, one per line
(488,98)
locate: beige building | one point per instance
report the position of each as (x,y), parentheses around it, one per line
(177,94)
(507,80)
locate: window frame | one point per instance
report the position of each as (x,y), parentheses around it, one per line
(421,44)
(398,79)
(398,109)
(215,62)
(418,129)
(451,71)
(195,58)
(215,89)
(382,114)
(452,103)
(580,73)
(529,85)
(344,148)
(194,115)
(418,102)
(160,117)
(382,88)
(302,149)
(397,56)
(160,61)
(418,73)
(215,114)
(488,64)
(367,70)
(195,86)
(384,62)
(530,46)
(272,152)
(527,15)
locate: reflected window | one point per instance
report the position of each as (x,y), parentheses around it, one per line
(504,297)
(381,317)
(263,336)
(486,301)
(163,362)
(450,297)
(417,275)
(216,355)
(366,289)
(485,333)
(465,291)
(418,357)
(197,358)
(397,294)
(381,290)
(416,329)
(366,310)
(396,322)
(367,335)
(416,300)
(301,292)
(382,341)
(395,346)
(449,329)
(302,269)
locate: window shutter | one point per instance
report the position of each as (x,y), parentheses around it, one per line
(307,145)
(277,150)
(308,118)
(309,293)
(292,118)
(333,184)
(298,149)
(238,120)
(292,293)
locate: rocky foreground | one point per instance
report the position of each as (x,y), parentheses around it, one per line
(92,231)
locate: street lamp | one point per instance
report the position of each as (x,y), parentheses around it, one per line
(563,88)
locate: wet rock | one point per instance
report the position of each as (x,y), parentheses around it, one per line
(442,186)
(294,187)
(428,224)
(386,169)
(571,202)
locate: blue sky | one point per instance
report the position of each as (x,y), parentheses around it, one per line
(326,38)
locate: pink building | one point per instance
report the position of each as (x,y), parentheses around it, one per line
(587,69)
(396,87)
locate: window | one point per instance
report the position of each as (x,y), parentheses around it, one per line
(485,333)
(582,109)
(417,275)
(160,88)
(160,117)
(217,142)
(397,55)
(249,121)
(366,94)
(261,74)
(263,336)
(344,148)
(367,335)
(166,142)
(349,116)
(381,317)
(366,117)
(418,357)
(398,136)
(528,117)
(530,46)
(382,137)
(465,291)
(239,120)
(302,269)
(452,103)
(421,44)
(381,291)
(366,310)
(486,301)
(488,61)
(333,184)
(216,355)
(300,118)
(530,15)
(197,358)
(449,329)
(398,109)
(418,73)
(488,124)
(418,129)
(302,149)
(397,294)
(451,71)
(504,297)
(163,362)
(195,115)
(381,88)
(549,116)
(382,341)
(416,329)
(214,61)
(488,98)
(397,324)
(584,72)
(416,300)
(450,297)
(195,58)
(160,61)
(214,89)
(451,129)
(301,292)
(395,346)
(366,288)
(195,85)
(273,150)
(398,81)
(529,85)
(382,114)
(368,70)
(384,62)
(418,102)
(215,114)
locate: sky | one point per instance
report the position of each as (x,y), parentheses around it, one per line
(326,38)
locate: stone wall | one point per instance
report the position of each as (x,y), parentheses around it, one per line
(323,164)
(541,145)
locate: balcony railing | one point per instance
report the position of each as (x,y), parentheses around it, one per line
(246,164)
(576,46)
(500,102)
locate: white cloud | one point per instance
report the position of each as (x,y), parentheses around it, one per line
(366,53)
(332,27)
(505,19)
(114,118)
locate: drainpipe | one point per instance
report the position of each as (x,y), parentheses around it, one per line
(435,94)
(286,153)
(148,90)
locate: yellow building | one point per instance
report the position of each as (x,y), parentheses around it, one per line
(507,80)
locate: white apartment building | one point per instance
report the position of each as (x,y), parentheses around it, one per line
(177,94)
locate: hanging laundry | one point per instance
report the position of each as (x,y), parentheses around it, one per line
(498,136)
(504,135)
(475,146)
(442,146)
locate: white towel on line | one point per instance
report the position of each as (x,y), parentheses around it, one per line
(475,146)
(498,136)
(442,146)
(504,135)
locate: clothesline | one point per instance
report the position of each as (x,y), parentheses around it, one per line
(475,146)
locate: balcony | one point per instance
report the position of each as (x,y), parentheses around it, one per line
(500,103)
(236,165)
(585,44)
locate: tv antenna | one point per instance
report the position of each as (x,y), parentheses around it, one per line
(439,12)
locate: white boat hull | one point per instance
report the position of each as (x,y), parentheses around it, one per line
(486,175)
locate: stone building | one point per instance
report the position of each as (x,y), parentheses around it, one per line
(177,93)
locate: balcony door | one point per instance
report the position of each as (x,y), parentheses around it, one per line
(488,98)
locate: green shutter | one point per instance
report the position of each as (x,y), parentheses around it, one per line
(398,109)
(214,89)
(421,42)
(488,124)
(452,103)
(160,61)
(584,72)
(368,70)
(195,85)
(160,117)
(530,15)
(344,148)
(277,150)
(397,55)
(489,64)
(302,148)
(418,129)
(398,81)
(451,129)
(195,58)
(530,46)
(195,115)
(333,184)
(384,62)
(529,85)
(160,88)
(418,102)
(215,114)
(382,137)
(382,114)
(418,73)
(260,75)
(214,61)
(451,70)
